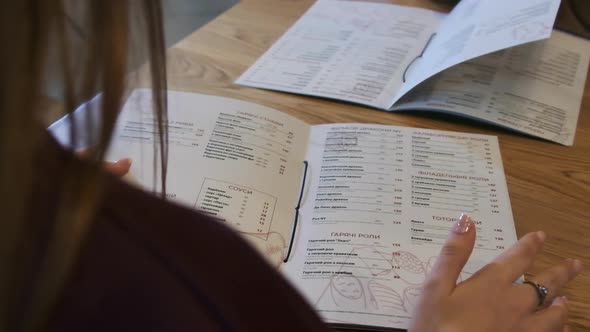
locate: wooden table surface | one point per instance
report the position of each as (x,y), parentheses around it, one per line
(549,184)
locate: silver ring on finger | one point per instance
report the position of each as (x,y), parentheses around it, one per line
(541,290)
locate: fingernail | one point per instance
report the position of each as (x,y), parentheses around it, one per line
(124,162)
(541,236)
(464,224)
(557,301)
(577,265)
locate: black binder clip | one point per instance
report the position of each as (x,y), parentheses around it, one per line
(306,164)
(418,57)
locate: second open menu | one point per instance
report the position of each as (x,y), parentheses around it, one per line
(380,203)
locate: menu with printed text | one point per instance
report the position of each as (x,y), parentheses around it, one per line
(353,214)
(497,61)
(380,204)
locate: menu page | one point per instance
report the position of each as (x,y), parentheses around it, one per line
(478,27)
(535,88)
(347,50)
(380,203)
(238,162)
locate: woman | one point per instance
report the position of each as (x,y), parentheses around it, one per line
(81,250)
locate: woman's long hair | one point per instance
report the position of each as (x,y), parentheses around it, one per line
(85,47)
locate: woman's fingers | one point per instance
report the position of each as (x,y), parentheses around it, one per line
(553,279)
(442,279)
(118,168)
(85,152)
(551,319)
(517,259)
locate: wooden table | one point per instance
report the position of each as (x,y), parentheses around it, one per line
(549,184)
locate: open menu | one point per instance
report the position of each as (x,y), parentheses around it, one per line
(352,214)
(468,62)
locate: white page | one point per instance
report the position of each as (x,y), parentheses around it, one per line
(346,50)
(86,116)
(236,161)
(380,203)
(536,88)
(478,27)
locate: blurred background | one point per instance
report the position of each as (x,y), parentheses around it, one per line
(181,18)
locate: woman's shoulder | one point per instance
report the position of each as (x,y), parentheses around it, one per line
(151,264)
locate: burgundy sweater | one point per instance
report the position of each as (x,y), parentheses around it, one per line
(151,265)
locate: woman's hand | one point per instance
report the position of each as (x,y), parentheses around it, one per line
(118,168)
(489,300)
